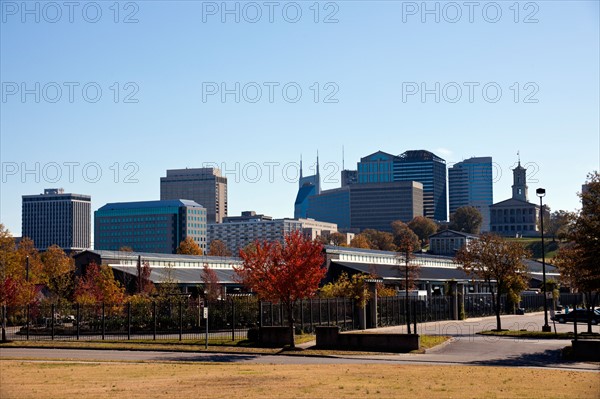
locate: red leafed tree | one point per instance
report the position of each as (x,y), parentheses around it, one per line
(210,281)
(285,272)
(143,284)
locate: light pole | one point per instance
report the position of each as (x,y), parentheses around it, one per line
(540,192)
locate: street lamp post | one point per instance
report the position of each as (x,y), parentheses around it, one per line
(540,192)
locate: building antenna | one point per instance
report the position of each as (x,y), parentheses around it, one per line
(343,168)
(519,157)
(300,166)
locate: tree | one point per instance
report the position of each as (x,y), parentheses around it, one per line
(58,273)
(189,247)
(348,287)
(407,243)
(210,281)
(98,285)
(497,261)
(423,227)
(559,224)
(284,273)
(578,261)
(360,241)
(380,240)
(218,248)
(26,249)
(143,284)
(126,248)
(466,219)
(337,239)
(404,237)
(15,290)
(169,286)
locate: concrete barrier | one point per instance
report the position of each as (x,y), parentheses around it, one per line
(275,336)
(331,338)
(586,349)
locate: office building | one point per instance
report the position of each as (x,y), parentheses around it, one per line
(349,177)
(57,218)
(307,186)
(205,186)
(237,232)
(368,206)
(430,170)
(420,166)
(470,184)
(149,226)
(377,168)
(516,217)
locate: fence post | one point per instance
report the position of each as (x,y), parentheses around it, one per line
(320,312)
(78,319)
(232,319)
(180,320)
(3,323)
(103,321)
(302,315)
(310,314)
(280,314)
(328,312)
(128,321)
(27,325)
(414,305)
(154,320)
(52,321)
(260,313)
(407,307)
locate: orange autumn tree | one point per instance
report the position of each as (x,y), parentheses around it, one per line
(283,273)
(98,285)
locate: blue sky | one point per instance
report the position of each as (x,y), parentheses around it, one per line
(156,110)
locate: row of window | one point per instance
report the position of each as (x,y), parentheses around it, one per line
(138,219)
(515,228)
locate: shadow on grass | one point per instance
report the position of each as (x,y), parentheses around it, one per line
(218,358)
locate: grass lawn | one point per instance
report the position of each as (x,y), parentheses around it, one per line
(52,379)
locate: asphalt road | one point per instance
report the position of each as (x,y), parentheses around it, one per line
(465,348)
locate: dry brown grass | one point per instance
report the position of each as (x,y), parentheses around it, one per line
(20,379)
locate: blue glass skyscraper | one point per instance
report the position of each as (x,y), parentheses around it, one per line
(470,184)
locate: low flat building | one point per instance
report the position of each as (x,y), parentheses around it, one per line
(184,270)
(237,232)
(448,242)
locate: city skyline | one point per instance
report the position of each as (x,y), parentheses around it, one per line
(327,181)
(105,107)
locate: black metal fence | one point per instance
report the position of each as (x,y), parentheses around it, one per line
(229,320)
(394,311)
(310,313)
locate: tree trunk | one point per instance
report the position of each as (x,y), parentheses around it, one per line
(590,307)
(406,305)
(291,324)
(496,303)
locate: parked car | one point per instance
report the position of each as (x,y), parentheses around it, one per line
(583,315)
